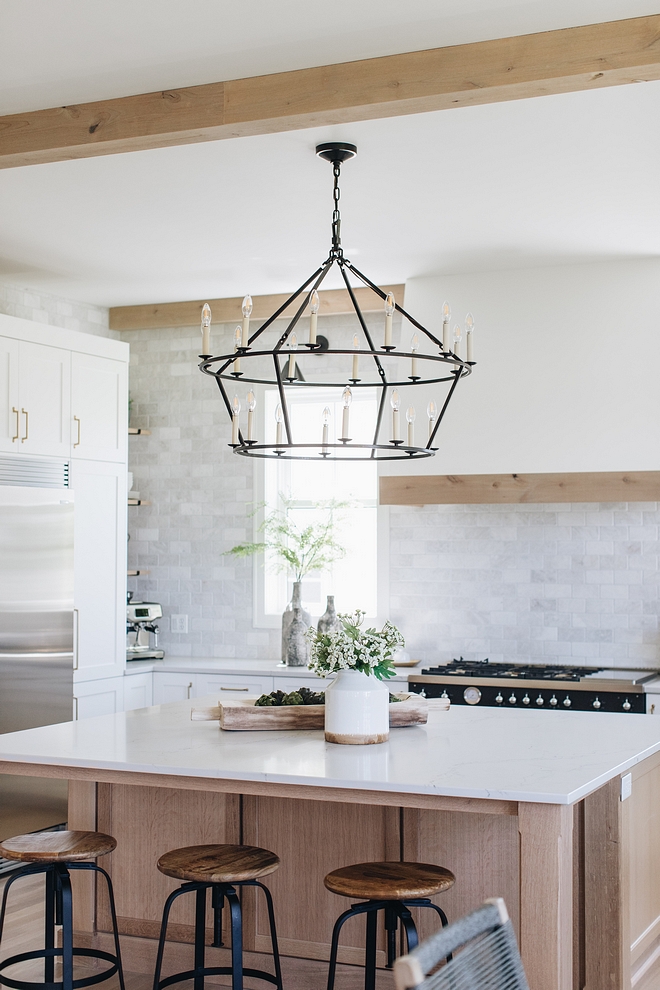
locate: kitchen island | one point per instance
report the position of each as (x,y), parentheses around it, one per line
(558,812)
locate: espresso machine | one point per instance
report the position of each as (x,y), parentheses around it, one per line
(142,631)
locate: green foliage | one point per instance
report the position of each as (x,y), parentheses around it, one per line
(352,648)
(301,550)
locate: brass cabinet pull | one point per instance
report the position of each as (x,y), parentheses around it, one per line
(76,420)
(18,429)
(233,689)
(25,413)
(189,689)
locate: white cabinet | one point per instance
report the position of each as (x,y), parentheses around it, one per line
(292,683)
(99,567)
(102,697)
(232,686)
(173,687)
(99,407)
(44,399)
(9,408)
(138,691)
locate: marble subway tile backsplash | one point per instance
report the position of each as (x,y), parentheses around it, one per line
(29,304)
(575,583)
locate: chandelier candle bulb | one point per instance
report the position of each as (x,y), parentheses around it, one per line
(247,310)
(326,424)
(469,330)
(237,343)
(457,345)
(293,344)
(315,302)
(432,412)
(389,310)
(446,317)
(347,398)
(395,403)
(410,419)
(206,329)
(236,408)
(251,405)
(355,373)
(278,425)
(414,344)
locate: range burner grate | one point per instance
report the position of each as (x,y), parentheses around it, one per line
(511,671)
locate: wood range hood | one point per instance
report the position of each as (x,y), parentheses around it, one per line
(495,489)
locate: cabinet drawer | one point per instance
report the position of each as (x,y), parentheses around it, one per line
(233,685)
(291,682)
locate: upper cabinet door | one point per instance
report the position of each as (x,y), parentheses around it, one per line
(9,411)
(44,399)
(99,408)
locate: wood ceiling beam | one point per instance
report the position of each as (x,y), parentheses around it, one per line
(578,58)
(156,316)
(483,489)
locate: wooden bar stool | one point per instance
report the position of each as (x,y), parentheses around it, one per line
(56,854)
(392,888)
(220,868)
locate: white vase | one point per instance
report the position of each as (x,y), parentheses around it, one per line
(357,709)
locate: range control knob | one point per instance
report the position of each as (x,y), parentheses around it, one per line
(596,704)
(553,701)
(526,700)
(626,706)
(499,699)
(512,699)
(539,700)
(567,702)
(472,695)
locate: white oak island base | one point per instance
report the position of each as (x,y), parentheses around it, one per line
(522,805)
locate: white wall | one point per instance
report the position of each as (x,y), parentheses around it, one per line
(567,373)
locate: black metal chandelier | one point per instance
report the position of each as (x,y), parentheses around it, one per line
(386,368)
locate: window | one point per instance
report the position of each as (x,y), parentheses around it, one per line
(354,579)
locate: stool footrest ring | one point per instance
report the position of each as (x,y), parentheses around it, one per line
(257,974)
(87,981)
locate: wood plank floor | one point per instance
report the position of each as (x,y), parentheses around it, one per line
(24,930)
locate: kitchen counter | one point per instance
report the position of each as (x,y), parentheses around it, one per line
(268,668)
(556,812)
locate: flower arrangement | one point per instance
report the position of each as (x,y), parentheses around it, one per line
(352,648)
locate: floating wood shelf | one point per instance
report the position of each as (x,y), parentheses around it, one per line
(138,501)
(588,486)
(137,431)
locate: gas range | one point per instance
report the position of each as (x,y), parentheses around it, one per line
(537,686)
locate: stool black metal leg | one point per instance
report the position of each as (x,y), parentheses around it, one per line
(407,923)
(217,902)
(370,951)
(334,945)
(391,925)
(64,885)
(200,932)
(12,879)
(49,924)
(113,914)
(163,934)
(273,933)
(236,939)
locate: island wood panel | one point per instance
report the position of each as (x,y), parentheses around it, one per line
(578,58)
(482,851)
(155,316)
(641,871)
(147,822)
(312,839)
(482,489)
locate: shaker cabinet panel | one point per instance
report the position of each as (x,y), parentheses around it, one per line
(100,567)
(173,687)
(44,389)
(99,407)
(9,411)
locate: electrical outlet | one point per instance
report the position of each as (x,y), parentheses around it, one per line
(179,623)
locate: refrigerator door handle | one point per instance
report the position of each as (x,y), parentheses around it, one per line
(76,637)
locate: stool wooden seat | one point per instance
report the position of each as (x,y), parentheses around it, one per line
(389,881)
(392,888)
(218,863)
(57,847)
(221,869)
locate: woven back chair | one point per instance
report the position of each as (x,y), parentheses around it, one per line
(485,955)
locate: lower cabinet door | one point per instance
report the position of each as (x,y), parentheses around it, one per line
(173,687)
(98,697)
(138,691)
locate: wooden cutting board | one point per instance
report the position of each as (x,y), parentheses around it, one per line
(243,715)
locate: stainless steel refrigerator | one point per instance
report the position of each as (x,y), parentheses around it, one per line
(36,628)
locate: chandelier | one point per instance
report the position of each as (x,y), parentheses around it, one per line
(391,373)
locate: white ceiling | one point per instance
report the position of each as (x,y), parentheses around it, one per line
(550,180)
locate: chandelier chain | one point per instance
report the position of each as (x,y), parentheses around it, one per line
(336,219)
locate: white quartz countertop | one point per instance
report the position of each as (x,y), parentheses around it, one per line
(546,757)
(260,668)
